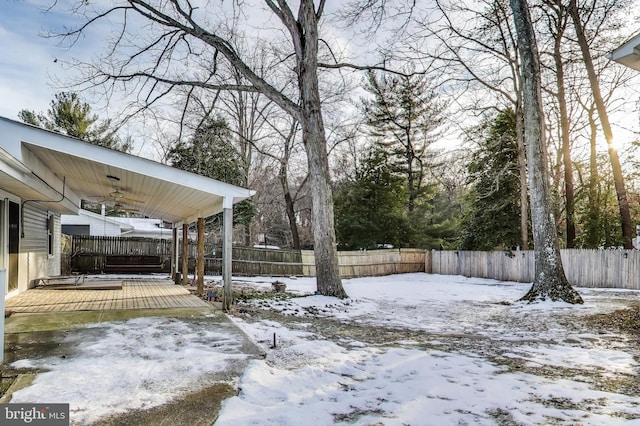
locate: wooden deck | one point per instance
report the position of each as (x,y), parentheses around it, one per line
(135,294)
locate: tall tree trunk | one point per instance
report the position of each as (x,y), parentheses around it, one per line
(549,281)
(244,146)
(313,136)
(289,207)
(566,143)
(593,215)
(522,172)
(176,21)
(618,178)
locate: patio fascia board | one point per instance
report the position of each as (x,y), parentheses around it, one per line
(628,54)
(48,196)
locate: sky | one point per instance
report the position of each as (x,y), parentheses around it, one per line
(28,66)
(33,67)
(33,70)
(448,364)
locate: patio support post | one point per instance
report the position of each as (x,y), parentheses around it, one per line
(227,252)
(185,253)
(200,257)
(174,254)
(3,284)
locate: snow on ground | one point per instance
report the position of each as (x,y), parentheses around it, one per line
(130,365)
(309,378)
(411,349)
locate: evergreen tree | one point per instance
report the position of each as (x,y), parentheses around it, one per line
(71,116)
(597,212)
(434,224)
(370,209)
(405,116)
(211,153)
(492,220)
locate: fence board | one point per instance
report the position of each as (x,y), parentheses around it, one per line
(583,268)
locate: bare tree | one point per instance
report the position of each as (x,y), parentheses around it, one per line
(549,280)
(479,54)
(621,191)
(557,20)
(156,35)
(285,133)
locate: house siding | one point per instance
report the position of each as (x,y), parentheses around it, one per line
(36,261)
(100,227)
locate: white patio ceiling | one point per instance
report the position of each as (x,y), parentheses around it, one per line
(94,173)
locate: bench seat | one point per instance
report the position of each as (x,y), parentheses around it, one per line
(133,263)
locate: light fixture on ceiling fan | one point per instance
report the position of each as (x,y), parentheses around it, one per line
(116,194)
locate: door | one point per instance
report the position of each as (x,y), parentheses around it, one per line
(14,244)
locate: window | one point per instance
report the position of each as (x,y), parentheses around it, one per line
(50,222)
(76,229)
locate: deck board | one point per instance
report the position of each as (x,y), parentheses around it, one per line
(135,294)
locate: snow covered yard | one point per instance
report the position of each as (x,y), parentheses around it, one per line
(419,349)
(411,349)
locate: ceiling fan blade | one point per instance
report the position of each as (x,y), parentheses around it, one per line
(122,208)
(127,200)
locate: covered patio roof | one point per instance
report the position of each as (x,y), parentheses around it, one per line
(628,54)
(40,165)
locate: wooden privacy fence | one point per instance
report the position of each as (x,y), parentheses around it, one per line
(372,262)
(583,268)
(256,261)
(252,261)
(89,254)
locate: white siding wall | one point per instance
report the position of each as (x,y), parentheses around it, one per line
(98,226)
(36,261)
(103,228)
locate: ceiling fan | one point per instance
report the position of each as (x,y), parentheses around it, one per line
(118,207)
(118,197)
(117,201)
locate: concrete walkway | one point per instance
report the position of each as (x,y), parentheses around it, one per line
(134,294)
(46,322)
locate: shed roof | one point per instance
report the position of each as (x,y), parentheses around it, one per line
(58,171)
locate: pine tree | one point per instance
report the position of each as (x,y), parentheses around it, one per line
(405,116)
(211,153)
(493,217)
(370,208)
(69,115)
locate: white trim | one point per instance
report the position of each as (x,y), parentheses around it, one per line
(13,162)
(628,54)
